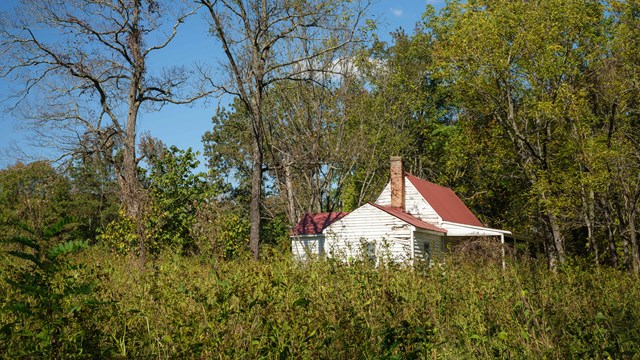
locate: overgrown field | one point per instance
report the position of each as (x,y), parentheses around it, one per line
(114,306)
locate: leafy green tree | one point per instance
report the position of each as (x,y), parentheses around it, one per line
(34,195)
(396,110)
(94,194)
(620,106)
(308,154)
(175,192)
(311,155)
(523,66)
(227,151)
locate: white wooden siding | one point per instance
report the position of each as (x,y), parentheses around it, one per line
(385,195)
(349,237)
(414,203)
(424,243)
(303,246)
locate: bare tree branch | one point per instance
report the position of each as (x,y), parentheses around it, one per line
(85,64)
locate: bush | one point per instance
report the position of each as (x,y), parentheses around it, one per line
(193,307)
(44,311)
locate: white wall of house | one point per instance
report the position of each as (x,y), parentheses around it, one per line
(414,203)
(427,246)
(304,246)
(353,236)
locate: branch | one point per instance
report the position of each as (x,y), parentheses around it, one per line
(220,31)
(121,49)
(180,21)
(83,75)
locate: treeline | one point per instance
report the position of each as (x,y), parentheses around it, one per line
(528,110)
(181,211)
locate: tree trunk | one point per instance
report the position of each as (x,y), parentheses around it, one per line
(589,216)
(591,241)
(556,253)
(633,240)
(631,247)
(288,182)
(610,236)
(129,187)
(626,245)
(131,191)
(256,197)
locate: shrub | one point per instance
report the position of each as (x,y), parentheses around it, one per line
(196,307)
(48,298)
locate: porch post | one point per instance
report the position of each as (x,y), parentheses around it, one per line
(502,242)
(413,247)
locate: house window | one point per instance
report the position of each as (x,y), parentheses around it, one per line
(427,250)
(371,251)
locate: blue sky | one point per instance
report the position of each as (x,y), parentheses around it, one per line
(184,126)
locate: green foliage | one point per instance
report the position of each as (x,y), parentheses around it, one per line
(276,232)
(94,202)
(121,234)
(180,306)
(542,92)
(395,113)
(174,192)
(227,150)
(37,194)
(232,237)
(49,299)
(221,231)
(33,194)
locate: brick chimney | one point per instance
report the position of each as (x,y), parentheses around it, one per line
(397,183)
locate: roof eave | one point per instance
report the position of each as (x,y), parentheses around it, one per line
(506,232)
(431,232)
(305,235)
(382,208)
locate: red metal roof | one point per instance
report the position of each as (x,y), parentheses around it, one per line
(445,202)
(408,218)
(313,224)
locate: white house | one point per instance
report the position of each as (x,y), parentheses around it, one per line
(412,219)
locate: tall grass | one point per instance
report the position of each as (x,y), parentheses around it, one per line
(190,307)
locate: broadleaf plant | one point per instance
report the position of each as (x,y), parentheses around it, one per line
(46,281)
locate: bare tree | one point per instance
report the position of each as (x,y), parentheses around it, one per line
(270,41)
(313,144)
(82,67)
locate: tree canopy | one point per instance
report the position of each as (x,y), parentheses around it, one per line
(528,110)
